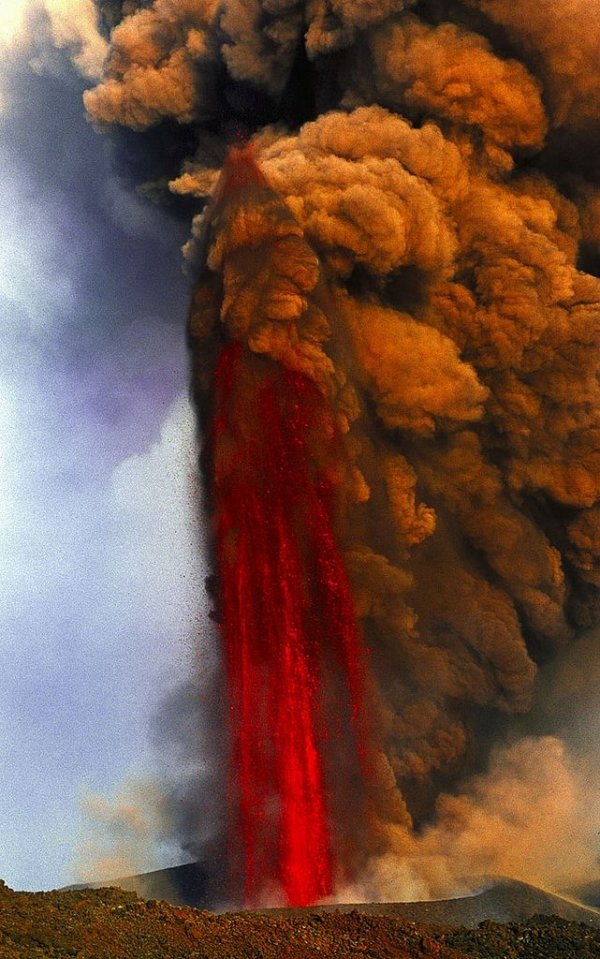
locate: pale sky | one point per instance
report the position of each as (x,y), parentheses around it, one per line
(102,604)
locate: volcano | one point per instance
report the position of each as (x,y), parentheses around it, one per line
(500,899)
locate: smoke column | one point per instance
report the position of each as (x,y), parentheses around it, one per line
(413,256)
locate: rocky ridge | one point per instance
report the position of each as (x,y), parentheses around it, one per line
(110,923)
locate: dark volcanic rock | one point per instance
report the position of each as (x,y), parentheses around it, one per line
(543,937)
(115,924)
(589,893)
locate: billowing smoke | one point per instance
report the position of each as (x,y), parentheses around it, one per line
(50,25)
(122,833)
(421,244)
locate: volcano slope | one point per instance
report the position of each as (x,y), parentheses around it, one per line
(111,923)
(499,898)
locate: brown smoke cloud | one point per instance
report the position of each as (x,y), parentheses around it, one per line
(415,248)
(561,43)
(454,75)
(153,67)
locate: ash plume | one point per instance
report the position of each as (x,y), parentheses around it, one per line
(424,247)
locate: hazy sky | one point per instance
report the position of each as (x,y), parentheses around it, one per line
(100,584)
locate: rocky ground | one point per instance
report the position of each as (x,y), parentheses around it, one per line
(113,924)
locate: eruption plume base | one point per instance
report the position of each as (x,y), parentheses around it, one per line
(286,603)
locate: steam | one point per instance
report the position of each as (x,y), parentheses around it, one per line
(74,26)
(122,834)
(71,25)
(417,249)
(529,817)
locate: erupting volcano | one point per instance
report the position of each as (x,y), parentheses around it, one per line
(395,332)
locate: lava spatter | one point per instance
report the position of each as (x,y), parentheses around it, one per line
(284,595)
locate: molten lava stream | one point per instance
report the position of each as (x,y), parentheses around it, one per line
(284,594)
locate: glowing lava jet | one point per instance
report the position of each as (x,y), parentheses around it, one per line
(292,649)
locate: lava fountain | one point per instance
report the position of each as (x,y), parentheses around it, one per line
(286,612)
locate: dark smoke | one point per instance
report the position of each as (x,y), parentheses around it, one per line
(441,159)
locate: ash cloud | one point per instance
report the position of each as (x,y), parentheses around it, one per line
(428,202)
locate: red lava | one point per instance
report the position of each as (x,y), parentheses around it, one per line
(286,608)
